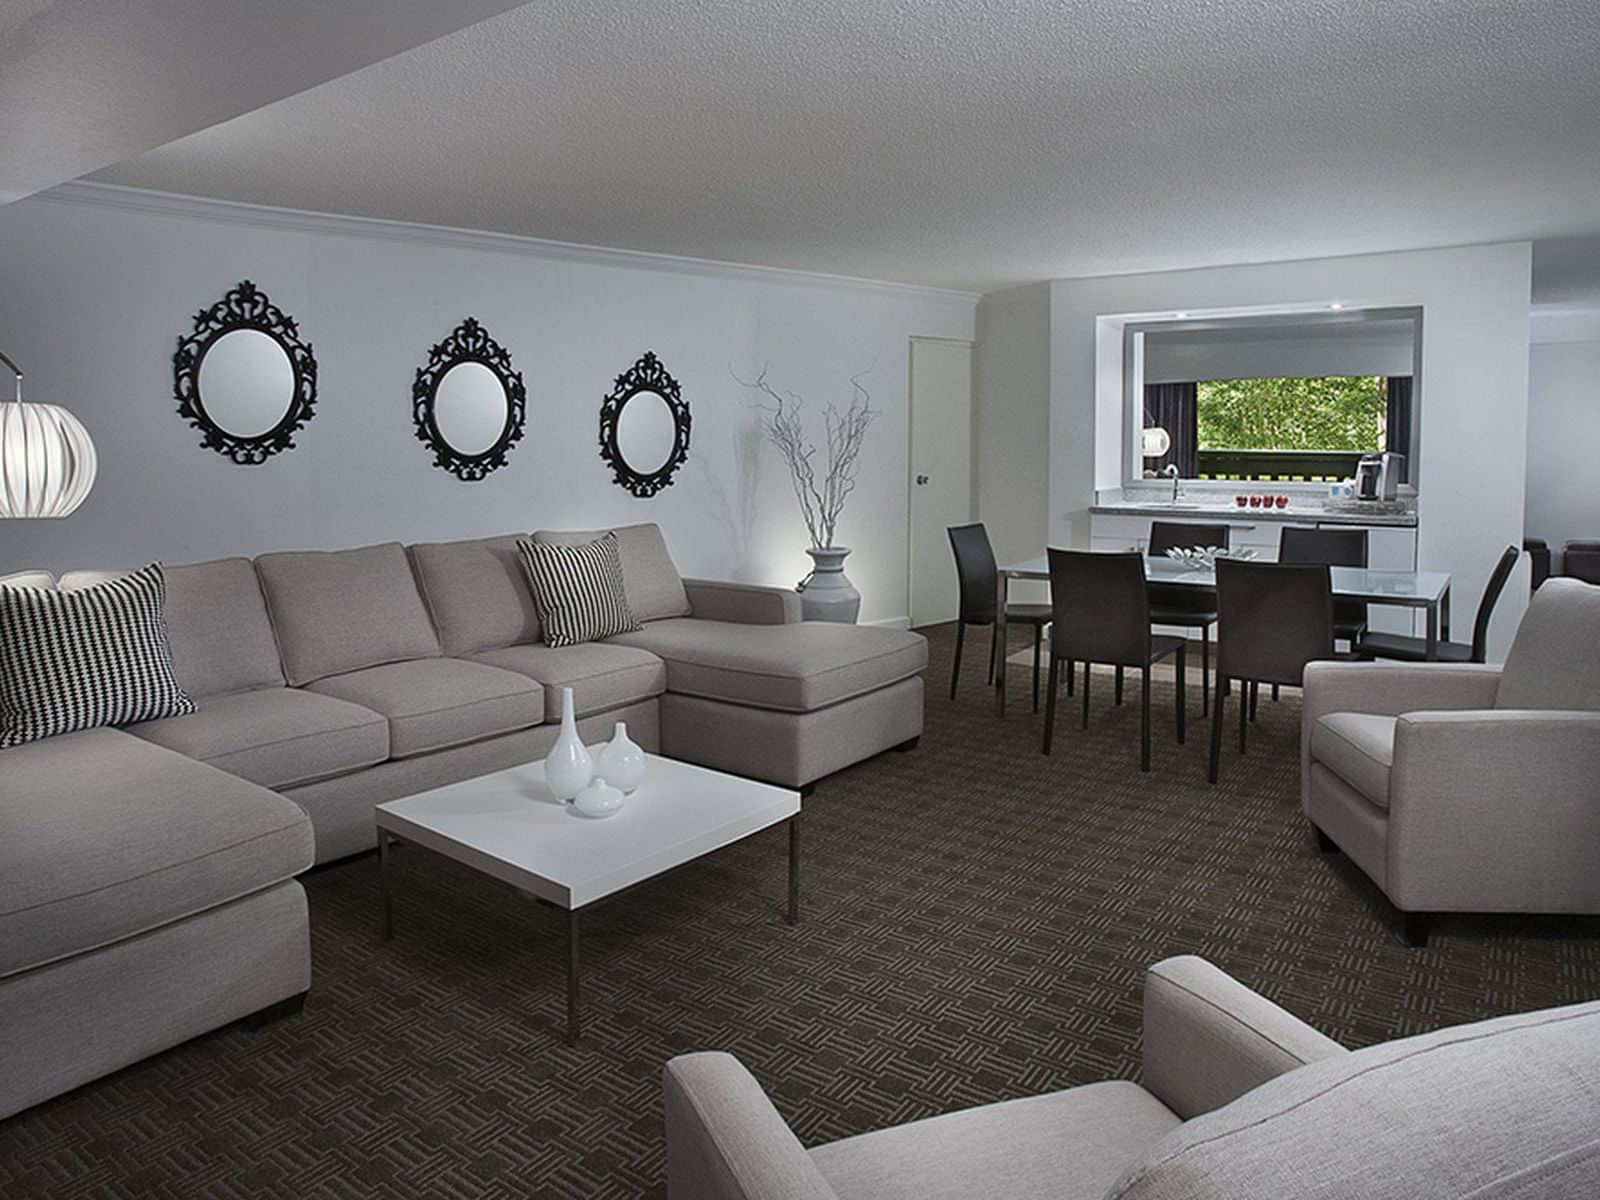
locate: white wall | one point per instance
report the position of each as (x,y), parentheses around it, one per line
(96,286)
(1564,427)
(1473,400)
(1012,415)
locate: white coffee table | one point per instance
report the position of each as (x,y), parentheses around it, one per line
(509,825)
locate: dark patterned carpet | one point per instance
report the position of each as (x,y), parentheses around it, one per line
(976,920)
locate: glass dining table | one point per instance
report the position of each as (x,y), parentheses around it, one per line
(1427,590)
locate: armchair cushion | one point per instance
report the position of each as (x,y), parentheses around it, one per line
(1069,1145)
(1359,748)
(1555,660)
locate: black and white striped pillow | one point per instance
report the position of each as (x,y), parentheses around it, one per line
(94,656)
(578,590)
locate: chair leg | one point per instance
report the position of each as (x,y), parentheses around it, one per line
(1182,681)
(1087,667)
(1244,711)
(1038,639)
(1255,698)
(1072,675)
(1050,703)
(1144,719)
(1220,690)
(955,672)
(992,648)
(1205,669)
(1118,697)
(1274,693)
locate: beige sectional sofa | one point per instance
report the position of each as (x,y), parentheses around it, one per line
(1239,1101)
(147,887)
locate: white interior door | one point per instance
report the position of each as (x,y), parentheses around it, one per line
(941,471)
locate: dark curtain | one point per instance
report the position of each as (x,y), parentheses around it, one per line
(1172,406)
(1399,439)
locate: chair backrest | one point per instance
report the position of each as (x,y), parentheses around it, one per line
(977,575)
(1491,597)
(1180,535)
(1100,610)
(1581,560)
(1272,619)
(1336,548)
(1538,561)
(1555,661)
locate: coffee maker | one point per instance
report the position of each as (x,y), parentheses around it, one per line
(1378,476)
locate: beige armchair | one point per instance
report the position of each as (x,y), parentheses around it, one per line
(1467,789)
(1239,1100)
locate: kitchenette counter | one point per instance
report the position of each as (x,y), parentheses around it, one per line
(1300,511)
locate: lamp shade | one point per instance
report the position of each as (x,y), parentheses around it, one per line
(1154,441)
(47,460)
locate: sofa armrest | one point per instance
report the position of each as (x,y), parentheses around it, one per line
(1208,1039)
(725,1140)
(1495,811)
(1387,689)
(742,603)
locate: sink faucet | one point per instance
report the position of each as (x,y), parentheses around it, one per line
(1172,473)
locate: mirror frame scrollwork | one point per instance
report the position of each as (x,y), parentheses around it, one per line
(468,342)
(646,375)
(244,307)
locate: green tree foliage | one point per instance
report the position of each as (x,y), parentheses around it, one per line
(1337,412)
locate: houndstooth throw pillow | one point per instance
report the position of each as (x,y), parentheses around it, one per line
(94,656)
(578,590)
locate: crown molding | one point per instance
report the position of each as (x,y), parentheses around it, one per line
(261,216)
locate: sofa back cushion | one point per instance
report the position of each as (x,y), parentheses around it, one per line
(1555,660)
(33,579)
(654,587)
(476,593)
(1495,1110)
(341,610)
(218,629)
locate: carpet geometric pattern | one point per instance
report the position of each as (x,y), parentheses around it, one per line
(976,919)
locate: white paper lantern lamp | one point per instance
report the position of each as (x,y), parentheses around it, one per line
(47,459)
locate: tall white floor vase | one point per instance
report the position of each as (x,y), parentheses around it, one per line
(568,767)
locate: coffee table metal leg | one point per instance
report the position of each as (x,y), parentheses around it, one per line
(574,1029)
(383,876)
(793,915)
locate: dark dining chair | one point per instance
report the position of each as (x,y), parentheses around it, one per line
(1415,649)
(1272,619)
(1334,548)
(1101,614)
(978,578)
(1187,607)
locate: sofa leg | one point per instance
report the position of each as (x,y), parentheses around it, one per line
(274,1012)
(907,746)
(1415,928)
(1325,843)
(806,790)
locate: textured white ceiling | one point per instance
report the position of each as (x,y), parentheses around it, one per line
(967,143)
(87,83)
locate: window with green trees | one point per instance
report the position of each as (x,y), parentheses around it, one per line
(1334,412)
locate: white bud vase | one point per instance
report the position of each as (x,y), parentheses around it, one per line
(621,761)
(568,767)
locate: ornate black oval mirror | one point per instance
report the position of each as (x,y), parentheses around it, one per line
(468,402)
(644,427)
(244,378)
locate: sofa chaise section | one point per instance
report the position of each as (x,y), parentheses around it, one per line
(144,899)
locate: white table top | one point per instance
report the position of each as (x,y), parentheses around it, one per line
(509,825)
(1356,583)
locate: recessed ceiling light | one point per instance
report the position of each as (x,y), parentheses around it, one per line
(1335,306)
(1180,316)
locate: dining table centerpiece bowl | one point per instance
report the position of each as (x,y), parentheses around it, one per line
(1206,556)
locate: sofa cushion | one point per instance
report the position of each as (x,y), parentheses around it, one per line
(218,628)
(795,668)
(278,737)
(1069,1145)
(33,579)
(432,703)
(578,590)
(601,675)
(1555,660)
(1359,748)
(103,836)
(336,611)
(655,589)
(477,593)
(77,660)
(1498,1109)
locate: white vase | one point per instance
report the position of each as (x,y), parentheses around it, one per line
(599,799)
(621,761)
(568,767)
(828,594)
